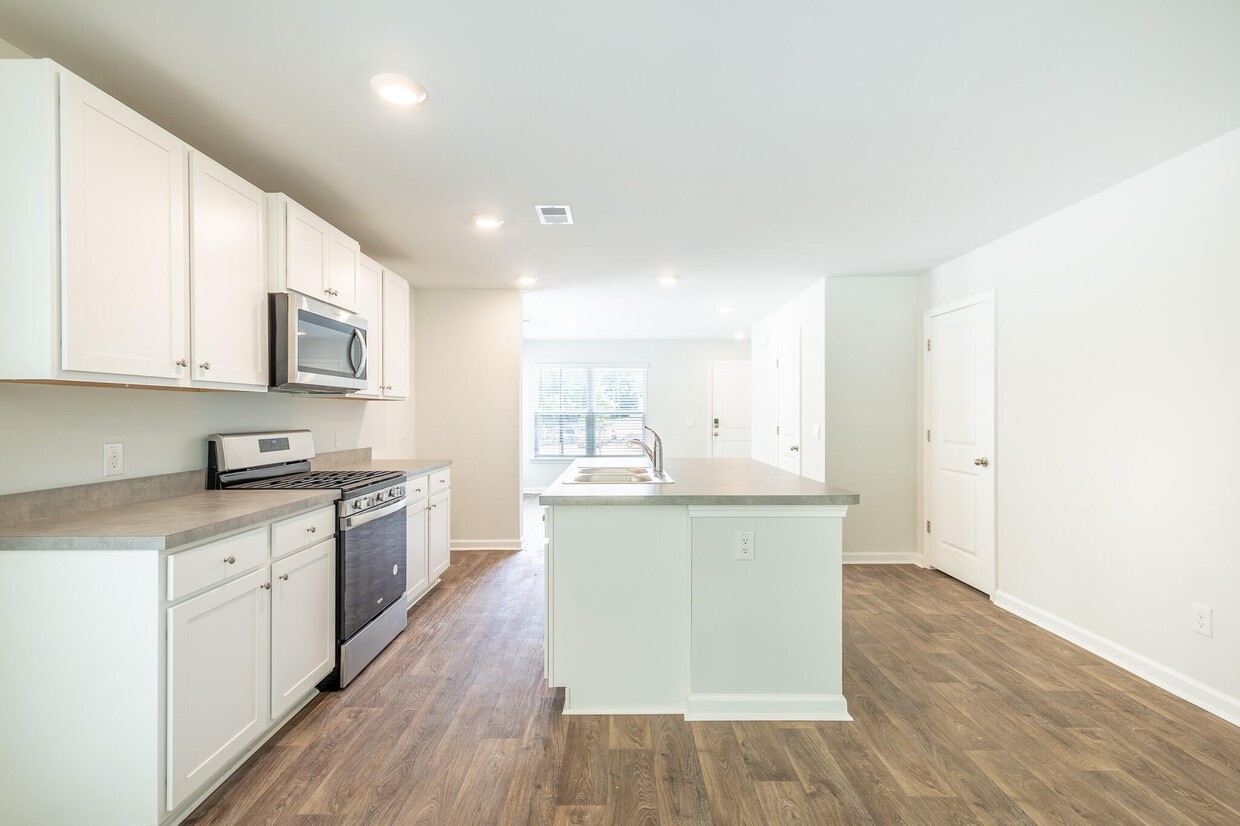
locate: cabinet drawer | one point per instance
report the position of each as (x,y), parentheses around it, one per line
(298,532)
(193,570)
(441,479)
(419,487)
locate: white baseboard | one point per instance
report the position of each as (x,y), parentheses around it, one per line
(486,544)
(767,707)
(881,558)
(1179,684)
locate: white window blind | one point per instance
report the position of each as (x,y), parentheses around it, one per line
(589,409)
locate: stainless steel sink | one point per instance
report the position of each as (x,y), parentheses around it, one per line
(617,476)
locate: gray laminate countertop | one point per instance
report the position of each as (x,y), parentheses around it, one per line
(159,524)
(698,482)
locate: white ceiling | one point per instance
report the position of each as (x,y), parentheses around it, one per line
(749,147)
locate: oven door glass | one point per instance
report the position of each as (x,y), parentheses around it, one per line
(328,347)
(373,569)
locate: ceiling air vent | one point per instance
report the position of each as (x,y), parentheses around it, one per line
(554,215)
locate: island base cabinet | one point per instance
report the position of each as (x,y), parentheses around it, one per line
(767,630)
(618,608)
(303,619)
(217,680)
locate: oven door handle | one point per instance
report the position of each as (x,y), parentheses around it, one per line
(348,522)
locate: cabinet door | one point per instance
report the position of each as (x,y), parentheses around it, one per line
(343,254)
(217,680)
(303,623)
(395,336)
(417,565)
(370,307)
(440,533)
(228,276)
(124,276)
(305,239)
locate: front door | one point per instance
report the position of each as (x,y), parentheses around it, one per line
(730,410)
(960,421)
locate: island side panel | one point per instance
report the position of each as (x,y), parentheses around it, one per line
(619,608)
(767,632)
(80,697)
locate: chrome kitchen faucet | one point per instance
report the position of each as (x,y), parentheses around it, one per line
(655,456)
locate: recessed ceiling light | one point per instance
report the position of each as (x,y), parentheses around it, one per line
(724,308)
(527,280)
(488,221)
(398,89)
(667,280)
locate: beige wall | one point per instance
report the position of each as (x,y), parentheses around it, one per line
(8,50)
(1118,394)
(873,329)
(467,391)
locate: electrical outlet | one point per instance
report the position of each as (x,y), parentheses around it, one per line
(1203,620)
(338,441)
(744,544)
(113,459)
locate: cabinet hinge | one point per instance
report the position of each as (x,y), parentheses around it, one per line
(927,435)
(927,345)
(776,430)
(927,526)
(776,364)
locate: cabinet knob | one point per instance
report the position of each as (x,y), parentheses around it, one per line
(312,529)
(284,577)
(183,363)
(230,559)
(327,291)
(982,462)
(266,586)
(206,365)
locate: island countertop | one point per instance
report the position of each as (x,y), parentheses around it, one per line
(698,482)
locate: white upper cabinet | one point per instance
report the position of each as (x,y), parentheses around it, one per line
(124,274)
(228,277)
(370,307)
(343,254)
(310,256)
(395,336)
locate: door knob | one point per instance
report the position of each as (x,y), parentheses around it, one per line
(982,462)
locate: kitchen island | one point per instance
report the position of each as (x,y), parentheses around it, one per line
(716,596)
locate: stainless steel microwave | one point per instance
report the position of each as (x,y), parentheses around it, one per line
(315,347)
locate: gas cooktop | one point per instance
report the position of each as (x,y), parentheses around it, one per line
(327,479)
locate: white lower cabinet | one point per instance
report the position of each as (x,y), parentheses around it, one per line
(417,565)
(302,632)
(217,664)
(440,533)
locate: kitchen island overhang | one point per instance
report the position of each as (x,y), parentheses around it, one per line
(657,603)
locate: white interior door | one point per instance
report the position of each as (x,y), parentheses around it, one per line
(960,420)
(788,393)
(730,410)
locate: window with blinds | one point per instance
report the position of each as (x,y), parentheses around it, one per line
(589,409)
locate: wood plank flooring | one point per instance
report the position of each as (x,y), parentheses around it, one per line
(963,714)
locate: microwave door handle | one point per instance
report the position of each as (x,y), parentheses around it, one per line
(361,365)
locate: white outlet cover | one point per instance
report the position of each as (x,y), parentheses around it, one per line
(744,545)
(1203,619)
(113,459)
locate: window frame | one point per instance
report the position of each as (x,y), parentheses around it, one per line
(590,415)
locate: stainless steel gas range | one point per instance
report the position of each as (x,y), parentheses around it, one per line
(370,534)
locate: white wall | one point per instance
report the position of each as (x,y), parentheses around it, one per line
(8,50)
(806,312)
(1118,398)
(53,435)
(873,331)
(467,385)
(678,390)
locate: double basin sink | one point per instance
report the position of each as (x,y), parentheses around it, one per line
(617,476)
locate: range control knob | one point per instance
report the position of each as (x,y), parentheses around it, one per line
(379,496)
(398,491)
(357,504)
